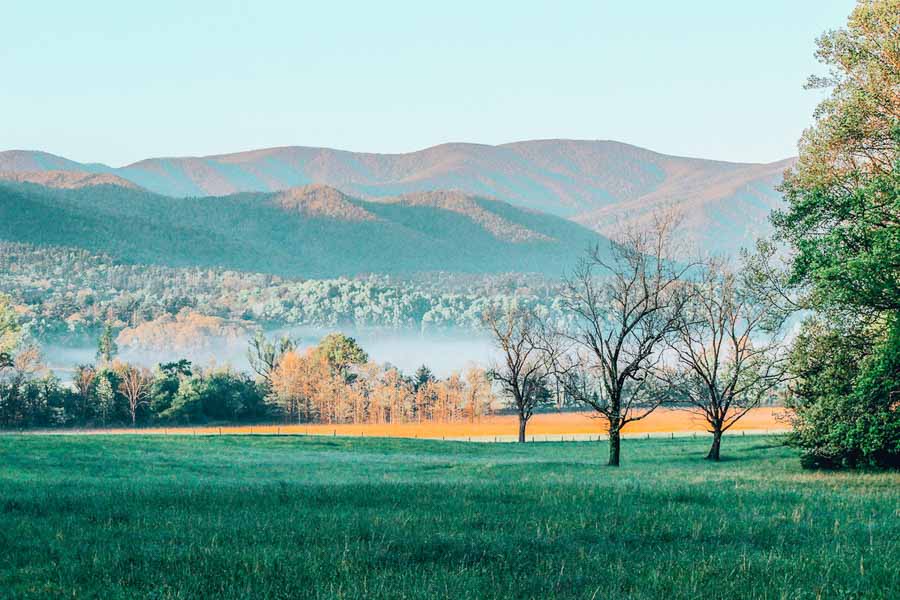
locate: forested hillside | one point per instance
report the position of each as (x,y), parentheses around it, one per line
(598,183)
(306,232)
(66,294)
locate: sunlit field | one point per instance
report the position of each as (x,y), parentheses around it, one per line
(314,517)
(550,426)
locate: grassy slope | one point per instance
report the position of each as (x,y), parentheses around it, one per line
(339,517)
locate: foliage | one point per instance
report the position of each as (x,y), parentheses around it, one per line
(846,398)
(107,348)
(842,221)
(68,295)
(9,331)
(309,387)
(341,353)
(331,383)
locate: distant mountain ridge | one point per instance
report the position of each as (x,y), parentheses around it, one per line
(598,183)
(310,232)
(66,179)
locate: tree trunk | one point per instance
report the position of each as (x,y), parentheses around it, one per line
(614,445)
(522,423)
(717,442)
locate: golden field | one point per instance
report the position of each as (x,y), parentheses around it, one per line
(543,426)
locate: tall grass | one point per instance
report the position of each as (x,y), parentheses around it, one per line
(295,517)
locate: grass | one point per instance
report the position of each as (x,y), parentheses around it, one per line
(296,517)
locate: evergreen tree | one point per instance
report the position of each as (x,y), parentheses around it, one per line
(107,349)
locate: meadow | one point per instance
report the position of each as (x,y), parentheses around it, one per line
(322,517)
(543,426)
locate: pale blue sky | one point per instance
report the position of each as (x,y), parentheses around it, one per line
(118,81)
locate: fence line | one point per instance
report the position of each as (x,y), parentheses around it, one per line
(494,438)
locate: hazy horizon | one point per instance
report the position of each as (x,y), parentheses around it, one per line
(229,152)
(687,80)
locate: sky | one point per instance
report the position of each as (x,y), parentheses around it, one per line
(116,82)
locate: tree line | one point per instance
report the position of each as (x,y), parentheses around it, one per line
(333,382)
(67,295)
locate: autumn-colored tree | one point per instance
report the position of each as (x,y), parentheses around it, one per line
(298,383)
(478,395)
(84,380)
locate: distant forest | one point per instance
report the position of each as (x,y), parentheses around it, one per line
(69,295)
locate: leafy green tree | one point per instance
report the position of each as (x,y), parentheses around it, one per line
(342,353)
(843,198)
(107,349)
(166,381)
(842,221)
(106,397)
(845,397)
(187,405)
(9,331)
(226,395)
(422,376)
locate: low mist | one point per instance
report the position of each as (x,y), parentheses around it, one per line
(442,352)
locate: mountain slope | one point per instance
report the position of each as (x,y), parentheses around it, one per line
(65,179)
(594,182)
(563,177)
(720,212)
(307,232)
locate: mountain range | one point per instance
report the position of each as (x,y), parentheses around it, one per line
(603,185)
(312,231)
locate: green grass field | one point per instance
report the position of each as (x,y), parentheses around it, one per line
(295,517)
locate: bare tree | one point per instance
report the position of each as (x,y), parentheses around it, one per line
(728,357)
(524,366)
(624,302)
(135,387)
(264,355)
